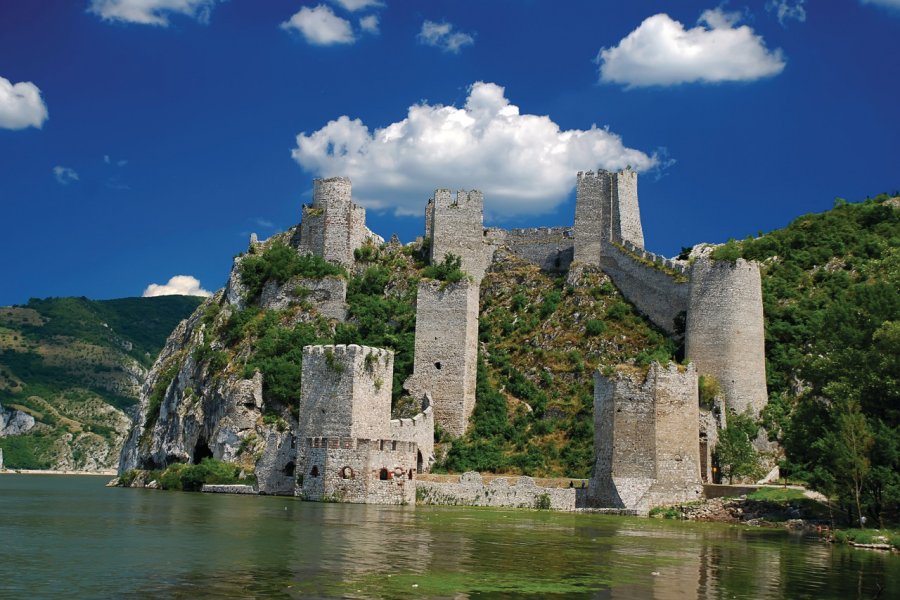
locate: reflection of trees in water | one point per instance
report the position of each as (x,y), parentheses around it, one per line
(280,547)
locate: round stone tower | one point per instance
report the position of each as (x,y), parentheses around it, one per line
(725,334)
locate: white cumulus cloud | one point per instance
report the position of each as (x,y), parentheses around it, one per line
(21,105)
(355,5)
(369,24)
(151,12)
(894,4)
(180,285)
(785,10)
(320,26)
(524,164)
(64,175)
(662,52)
(441,35)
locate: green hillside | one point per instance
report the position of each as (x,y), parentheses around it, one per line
(76,365)
(831,290)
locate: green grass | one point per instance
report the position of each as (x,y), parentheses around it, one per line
(868,536)
(773,494)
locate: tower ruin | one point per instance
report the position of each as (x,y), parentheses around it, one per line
(333,226)
(446,351)
(646,429)
(606,210)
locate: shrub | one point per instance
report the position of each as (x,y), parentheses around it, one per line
(448,271)
(595,327)
(280,262)
(190,478)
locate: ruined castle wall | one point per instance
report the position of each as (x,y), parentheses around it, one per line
(725,334)
(655,293)
(345,392)
(429,219)
(472,491)
(645,440)
(419,430)
(446,351)
(550,248)
(312,231)
(327,295)
(624,441)
(626,226)
(457,228)
(592,215)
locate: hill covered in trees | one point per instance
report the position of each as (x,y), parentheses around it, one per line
(76,366)
(831,290)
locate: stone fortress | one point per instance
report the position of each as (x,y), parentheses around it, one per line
(652,443)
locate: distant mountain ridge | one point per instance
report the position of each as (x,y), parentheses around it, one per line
(76,366)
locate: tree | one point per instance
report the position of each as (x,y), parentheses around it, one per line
(851,444)
(734,452)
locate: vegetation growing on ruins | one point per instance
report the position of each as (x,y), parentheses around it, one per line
(279,262)
(832,311)
(534,397)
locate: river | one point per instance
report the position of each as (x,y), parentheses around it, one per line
(71,537)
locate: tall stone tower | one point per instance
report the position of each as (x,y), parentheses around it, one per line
(456,226)
(606,210)
(345,451)
(725,331)
(646,429)
(446,351)
(333,226)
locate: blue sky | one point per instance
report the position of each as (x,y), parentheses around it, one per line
(145,139)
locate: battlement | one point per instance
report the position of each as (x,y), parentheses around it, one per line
(646,431)
(725,333)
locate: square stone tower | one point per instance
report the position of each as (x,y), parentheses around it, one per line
(345,451)
(606,210)
(446,351)
(646,432)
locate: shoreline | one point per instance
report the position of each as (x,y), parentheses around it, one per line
(104,473)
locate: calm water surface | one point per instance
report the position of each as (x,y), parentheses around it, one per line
(70,537)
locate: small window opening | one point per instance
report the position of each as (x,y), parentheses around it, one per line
(437,365)
(315,471)
(383,474)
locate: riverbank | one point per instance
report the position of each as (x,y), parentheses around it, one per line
(105,472)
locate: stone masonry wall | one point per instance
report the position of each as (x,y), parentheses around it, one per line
(591,208)
(655,293)
(419,429)
(550,248)
(606,209)
(457,228)
(345,392)
(333,227)
(472,491)
(446,351)
(626,212)
(725,333)
(359,471)
(646,439)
